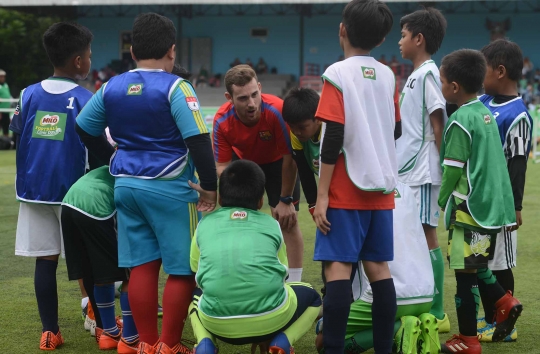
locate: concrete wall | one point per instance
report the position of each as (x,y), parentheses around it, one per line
(281,49)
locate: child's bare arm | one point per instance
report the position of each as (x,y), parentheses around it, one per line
(437,122)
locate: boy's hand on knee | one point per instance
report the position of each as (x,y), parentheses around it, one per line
(319,215)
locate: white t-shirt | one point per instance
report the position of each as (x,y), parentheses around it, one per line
(411,267)
(417,154)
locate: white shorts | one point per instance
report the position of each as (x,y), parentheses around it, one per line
(504,256)
(39,230)
(427,196)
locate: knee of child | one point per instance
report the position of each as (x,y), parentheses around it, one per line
(337,271)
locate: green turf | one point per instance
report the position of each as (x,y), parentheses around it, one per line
(20,325)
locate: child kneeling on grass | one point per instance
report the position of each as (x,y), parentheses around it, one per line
(240,259)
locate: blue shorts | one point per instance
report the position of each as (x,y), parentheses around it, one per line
(355,235)
(152,226)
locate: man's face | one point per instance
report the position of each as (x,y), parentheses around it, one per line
(247,102)
(306,129)
(2,79)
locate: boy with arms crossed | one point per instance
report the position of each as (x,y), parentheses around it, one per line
(473,167)
(355,195)
(505,61)
(422,109)
(50,158)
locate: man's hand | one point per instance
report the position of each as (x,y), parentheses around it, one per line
(320,214)
(519,222)
(263,347)
(207,199)
(285,215)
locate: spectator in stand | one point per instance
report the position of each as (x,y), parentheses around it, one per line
(215,81)
(394,65)
(5,94)
(248,62)
(261,67)
(382,60)
(235,62)
(537,76)
(202,78)
(528,95)
(527,70)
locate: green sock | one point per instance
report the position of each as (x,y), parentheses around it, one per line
(198,329)
(437,263)
(486,275)
(302,325)
(476,294)
(363,340)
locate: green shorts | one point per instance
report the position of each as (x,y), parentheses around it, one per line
(361,319)
(469,249)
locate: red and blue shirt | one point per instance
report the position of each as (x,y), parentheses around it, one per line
(265,142)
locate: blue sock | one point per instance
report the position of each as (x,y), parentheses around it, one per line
(46,294)
(129,333)
(104,295)
(383,311)
(337,304)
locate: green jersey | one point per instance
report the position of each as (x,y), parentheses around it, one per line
(93,194)
(241,263)
(4,94)
(482,196)
(311,150)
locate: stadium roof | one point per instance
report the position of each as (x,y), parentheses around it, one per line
(175,2)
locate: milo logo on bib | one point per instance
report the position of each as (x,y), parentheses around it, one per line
(135,89)
(239,214)
(369,73)
(49,125)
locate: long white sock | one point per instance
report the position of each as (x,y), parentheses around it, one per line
(295,275)
(84,302)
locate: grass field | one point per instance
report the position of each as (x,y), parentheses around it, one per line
(20,325)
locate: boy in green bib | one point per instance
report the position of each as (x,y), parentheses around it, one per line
(240,259)
(476,196)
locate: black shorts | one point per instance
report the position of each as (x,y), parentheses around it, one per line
(272,172)
(91,247)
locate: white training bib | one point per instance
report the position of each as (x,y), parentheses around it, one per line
(368,89)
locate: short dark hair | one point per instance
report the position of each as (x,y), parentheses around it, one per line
(367,23)
(179,70)
(64,40)
(241,185)
(430,22)
(506,53)
(299,105)
(153,35)
(239,75)
(467,67)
